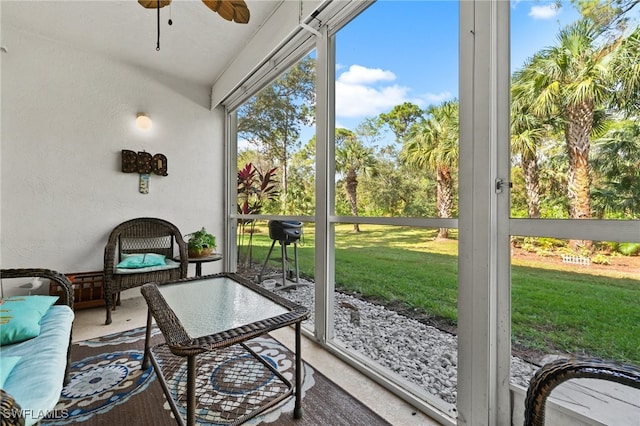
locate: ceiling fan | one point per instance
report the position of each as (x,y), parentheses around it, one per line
(231,10)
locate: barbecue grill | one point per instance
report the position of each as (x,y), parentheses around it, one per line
(285,232)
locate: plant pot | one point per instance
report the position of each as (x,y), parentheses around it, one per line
(203,252)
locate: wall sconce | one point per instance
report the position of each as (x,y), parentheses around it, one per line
(143,121)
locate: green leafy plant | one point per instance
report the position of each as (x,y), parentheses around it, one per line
(629,249)
(255,188)
(199,241)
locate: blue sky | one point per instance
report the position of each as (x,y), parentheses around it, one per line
(377,65)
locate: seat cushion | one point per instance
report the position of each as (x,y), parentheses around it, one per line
(6,366)
(141,260)
(36,380)
(169,264)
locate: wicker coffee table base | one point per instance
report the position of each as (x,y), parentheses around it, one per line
(232,384)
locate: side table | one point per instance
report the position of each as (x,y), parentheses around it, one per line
(204,259)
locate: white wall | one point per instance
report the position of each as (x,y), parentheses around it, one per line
(66,116)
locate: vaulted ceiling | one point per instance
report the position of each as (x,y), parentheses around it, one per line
(197,47)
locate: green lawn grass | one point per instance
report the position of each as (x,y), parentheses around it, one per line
(552,310)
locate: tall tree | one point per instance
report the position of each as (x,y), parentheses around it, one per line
(401,118)
(369,131)
(609,15)
(352,160)
(272,119)
(301,196)
(433,144)
(395,190)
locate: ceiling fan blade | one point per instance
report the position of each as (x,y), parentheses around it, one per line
(231,10)
(153,4)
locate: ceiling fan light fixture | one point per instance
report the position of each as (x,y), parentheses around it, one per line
(231,10)
(153,4)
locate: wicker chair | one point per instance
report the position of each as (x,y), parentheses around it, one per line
(141,235)
(561,370)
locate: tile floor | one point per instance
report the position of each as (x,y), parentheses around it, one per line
(132,313)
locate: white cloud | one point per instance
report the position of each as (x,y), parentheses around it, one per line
(544,12)
(434,98)
(357,100)
(365,92)
(358,74)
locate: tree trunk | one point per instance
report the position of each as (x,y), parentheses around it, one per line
(577,135)
(351,186)
(531,179)
(444,198)
(283,177)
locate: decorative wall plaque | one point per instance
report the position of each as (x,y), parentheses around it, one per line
(129,161)
(144,162)
(159,165)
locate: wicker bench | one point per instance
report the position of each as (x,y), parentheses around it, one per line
(34,383)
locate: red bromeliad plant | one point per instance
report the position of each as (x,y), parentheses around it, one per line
(254,189)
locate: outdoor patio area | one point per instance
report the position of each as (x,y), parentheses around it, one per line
(89,323)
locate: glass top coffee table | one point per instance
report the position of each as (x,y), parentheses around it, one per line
(205,321)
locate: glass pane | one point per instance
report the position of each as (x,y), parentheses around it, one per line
(566,305)
(276,176)
(260,260)
(276,145)
(396,110)
(396,155)
(575,155)
(396,304)
(575,152)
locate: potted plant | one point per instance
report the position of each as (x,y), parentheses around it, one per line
(200,243)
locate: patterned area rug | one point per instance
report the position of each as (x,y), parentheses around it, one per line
(109,387)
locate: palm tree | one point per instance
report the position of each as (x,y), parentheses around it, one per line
(432,144)
(626,69)
(352,159)
(572,82)
(527,134)
(617,160)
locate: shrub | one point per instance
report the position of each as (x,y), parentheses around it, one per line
(600,259)
(629,249)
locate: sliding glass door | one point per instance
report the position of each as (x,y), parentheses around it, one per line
(445,250)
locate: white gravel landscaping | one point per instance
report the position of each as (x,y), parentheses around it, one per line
(421,354)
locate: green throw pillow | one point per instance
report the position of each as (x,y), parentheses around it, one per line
(20,317)
(141,260)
